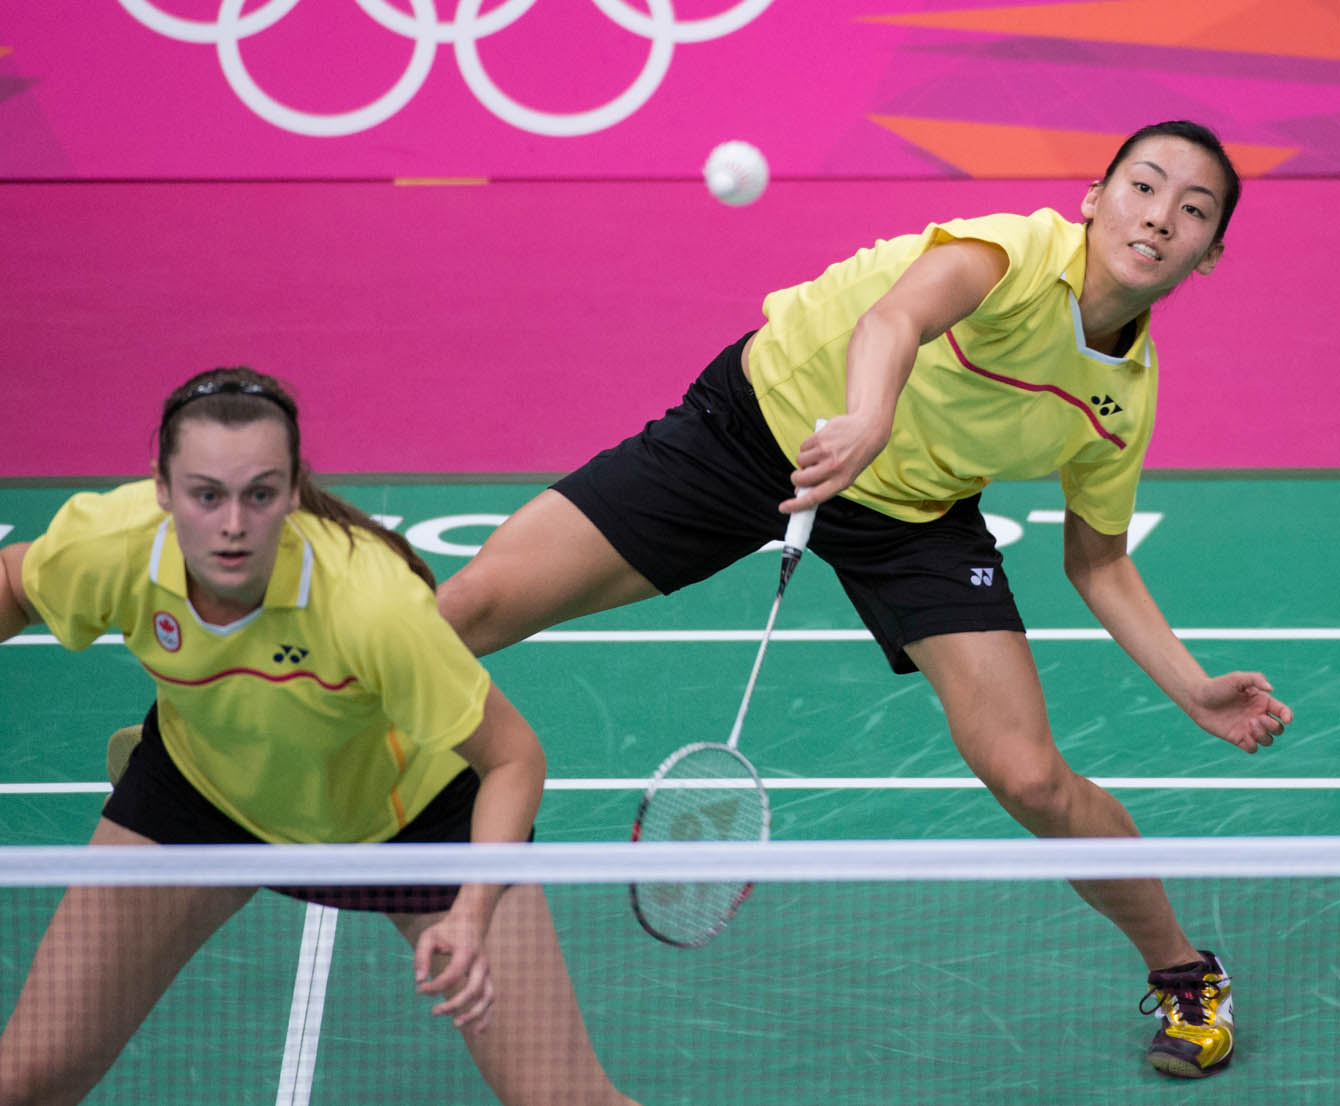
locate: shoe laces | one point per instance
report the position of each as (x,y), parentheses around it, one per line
(1186,990)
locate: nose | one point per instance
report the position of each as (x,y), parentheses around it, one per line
(234,524)
(1159,219)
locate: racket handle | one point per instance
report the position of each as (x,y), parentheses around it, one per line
(801,523)
(793,545)
(798,531)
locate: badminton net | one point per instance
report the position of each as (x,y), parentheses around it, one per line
(858,973)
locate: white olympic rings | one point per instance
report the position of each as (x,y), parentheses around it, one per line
(659,26)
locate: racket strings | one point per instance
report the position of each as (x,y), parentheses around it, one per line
(707,795)
(711,793)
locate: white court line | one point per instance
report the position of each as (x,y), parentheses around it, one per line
(309,1004)
(961,783)
(842,783)
(1302,633)
(1226,633)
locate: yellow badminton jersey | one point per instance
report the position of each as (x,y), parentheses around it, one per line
(327,714)
(1009,393)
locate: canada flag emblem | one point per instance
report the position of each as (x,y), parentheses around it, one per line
(167,631)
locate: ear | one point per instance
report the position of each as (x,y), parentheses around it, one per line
(1089,205)
(161,488)
(1205,266)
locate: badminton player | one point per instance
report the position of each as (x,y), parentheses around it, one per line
(308,691)
(998,347)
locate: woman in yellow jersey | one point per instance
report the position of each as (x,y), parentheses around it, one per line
(308,691)
(1002,347)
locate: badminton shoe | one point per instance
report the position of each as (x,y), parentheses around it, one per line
(1195,1003)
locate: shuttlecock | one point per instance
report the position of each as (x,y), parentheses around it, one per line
(736,173)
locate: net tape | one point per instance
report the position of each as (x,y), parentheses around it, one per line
(628,862)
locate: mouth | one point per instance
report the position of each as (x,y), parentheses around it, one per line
(1144,249)
(231,558)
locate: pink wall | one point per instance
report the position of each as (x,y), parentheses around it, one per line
(518,325)
(518,328)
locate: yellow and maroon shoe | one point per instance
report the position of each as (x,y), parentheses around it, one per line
(1195,1003)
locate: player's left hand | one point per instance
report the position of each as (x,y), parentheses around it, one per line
(454,948)
(1240,708)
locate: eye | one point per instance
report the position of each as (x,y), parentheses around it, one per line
(262,496)
(1142,186)
(206,496)
(1193,210)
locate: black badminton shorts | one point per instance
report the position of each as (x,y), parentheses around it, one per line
(153,798)
(698,489)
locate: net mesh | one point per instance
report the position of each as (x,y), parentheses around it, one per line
(858,972)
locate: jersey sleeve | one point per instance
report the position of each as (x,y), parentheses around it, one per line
(1030,243)
(1102,491)
(76,573)
(431,687)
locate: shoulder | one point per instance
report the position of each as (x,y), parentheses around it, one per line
(123,507)
(385,621)
(1040,248)
(365,580)
(88,565)
(1044,236)
(103,525)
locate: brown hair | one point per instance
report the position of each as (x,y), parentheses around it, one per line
(237,395)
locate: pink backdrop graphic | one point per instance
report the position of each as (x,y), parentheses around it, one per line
(643,88)
(549,271)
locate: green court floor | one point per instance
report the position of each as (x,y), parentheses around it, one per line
(860,994)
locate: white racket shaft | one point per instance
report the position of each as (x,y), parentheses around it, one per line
(797,538)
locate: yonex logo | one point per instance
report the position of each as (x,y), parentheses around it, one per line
(1106,406)
(982,577)
(291,653)
(658,25)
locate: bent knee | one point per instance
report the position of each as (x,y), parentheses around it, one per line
(488,610)
(467,602)
(1032,791)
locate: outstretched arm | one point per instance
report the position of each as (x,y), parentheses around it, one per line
(15,610)
(942,286)
(507,755)
(1238,706)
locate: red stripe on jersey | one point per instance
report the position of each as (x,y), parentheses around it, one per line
(252,672)
(1024,384)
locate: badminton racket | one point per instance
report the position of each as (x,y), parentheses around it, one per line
(709,791)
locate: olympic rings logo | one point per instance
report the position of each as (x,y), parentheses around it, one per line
(659,27)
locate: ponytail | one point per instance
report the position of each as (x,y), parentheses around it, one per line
(319,502)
